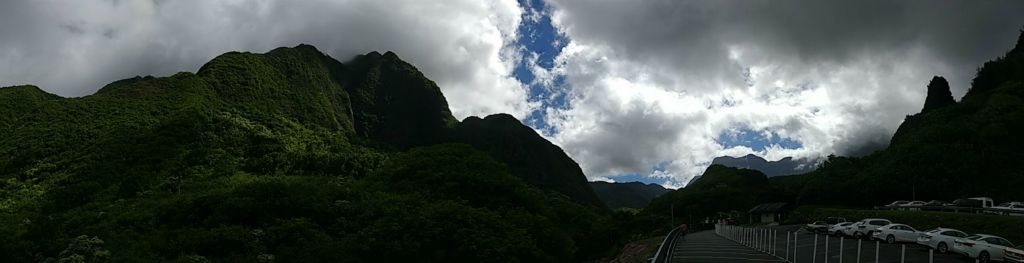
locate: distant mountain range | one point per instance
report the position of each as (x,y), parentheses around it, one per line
(785,166)
(627,195)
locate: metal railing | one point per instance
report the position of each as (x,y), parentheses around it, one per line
(664,253)
(766,240)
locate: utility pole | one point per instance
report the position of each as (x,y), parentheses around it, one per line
(673,220)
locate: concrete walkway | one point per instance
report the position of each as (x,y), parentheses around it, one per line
(705,246)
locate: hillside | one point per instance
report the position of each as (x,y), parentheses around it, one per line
(627,195)
(719,189)
(287,156)
(784,166)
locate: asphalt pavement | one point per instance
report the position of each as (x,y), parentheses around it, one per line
(706,246)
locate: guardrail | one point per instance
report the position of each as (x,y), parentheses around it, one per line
(664,254)
(768,241)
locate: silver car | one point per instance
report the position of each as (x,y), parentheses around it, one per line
(839,229)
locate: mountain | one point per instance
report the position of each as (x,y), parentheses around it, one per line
(718,189)
(785,166)
(627,195)
(287,156)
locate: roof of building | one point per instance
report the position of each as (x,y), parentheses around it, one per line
(768,208)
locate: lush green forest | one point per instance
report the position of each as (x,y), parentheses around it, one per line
(289,156)
(948,151)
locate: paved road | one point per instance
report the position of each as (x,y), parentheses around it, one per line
(706,246)
(805,249)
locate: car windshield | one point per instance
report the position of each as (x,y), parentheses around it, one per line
(974,237)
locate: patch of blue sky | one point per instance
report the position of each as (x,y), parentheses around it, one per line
(758,140)
(538,37)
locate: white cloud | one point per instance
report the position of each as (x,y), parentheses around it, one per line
(72,48)
(655,82)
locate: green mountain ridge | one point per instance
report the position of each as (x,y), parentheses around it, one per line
(284,156)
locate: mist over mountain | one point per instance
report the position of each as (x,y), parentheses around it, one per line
(784,166)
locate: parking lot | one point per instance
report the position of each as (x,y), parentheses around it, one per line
(805,249)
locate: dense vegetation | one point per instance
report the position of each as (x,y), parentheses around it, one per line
(289,156)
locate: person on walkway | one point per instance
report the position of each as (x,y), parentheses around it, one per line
(683,229)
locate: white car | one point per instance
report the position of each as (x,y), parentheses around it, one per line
(1007,208)
(897,203)
(838,229)
(868,226)
(1015,255)
(940,239)
(915,203)
(817,227)
(985,248)
(850,229)
(893,233)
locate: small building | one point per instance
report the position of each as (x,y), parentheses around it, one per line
(768,213)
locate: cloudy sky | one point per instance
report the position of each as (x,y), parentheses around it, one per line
(645,91)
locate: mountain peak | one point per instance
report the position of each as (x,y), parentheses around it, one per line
(397,103)
(24,89)
(938,94)
(784,166)
(1020,43)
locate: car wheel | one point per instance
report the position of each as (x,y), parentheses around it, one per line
(857,235)
(943,248)
(890,239)
(983,257)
